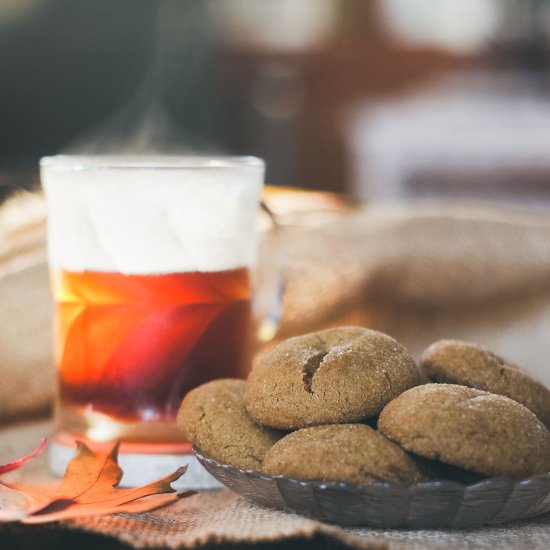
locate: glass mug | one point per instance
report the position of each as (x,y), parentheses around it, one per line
(152,261)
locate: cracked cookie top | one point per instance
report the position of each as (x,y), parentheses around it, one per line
(345,374)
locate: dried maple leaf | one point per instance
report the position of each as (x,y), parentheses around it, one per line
(89,487)
(88,469)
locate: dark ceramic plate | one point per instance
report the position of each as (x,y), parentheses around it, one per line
(431,504)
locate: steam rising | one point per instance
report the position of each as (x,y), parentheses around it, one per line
(142,128)
(146,124)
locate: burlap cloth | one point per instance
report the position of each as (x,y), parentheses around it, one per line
(419,273)
(220,517)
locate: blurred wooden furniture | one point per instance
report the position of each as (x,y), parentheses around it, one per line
(332,79)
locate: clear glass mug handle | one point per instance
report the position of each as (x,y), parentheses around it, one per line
(268,278)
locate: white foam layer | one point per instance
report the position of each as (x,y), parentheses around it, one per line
(152,220)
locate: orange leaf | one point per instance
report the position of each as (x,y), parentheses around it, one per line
(89,488)
(35,498)
(100,494)
(89,468)
(145,505)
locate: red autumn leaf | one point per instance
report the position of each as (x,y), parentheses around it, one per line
(18,463)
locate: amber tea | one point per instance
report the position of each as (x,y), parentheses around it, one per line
(131,346)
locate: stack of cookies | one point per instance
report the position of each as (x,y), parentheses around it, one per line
(350,404)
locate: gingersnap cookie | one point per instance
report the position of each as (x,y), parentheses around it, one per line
(341,452)
(213,417)
(333,376)
(487,433)
(456,362)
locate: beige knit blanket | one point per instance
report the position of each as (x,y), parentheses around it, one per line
(419,273)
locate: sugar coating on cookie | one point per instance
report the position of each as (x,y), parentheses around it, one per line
(487,433)
(456,362)
(342,452)
(213,417)
(333,376)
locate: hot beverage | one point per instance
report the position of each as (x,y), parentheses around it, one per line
(151,262)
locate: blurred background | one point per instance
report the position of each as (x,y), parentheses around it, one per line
(442,107)
(393,99)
